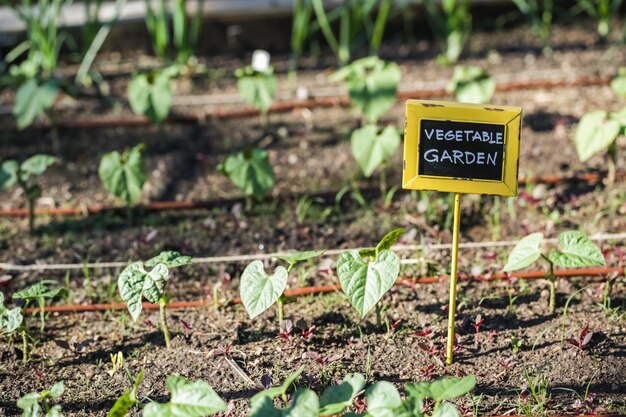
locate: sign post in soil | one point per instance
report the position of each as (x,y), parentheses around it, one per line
(462,149)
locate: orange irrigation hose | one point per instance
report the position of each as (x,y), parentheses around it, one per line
(589,177)
(322,289)
(287,106)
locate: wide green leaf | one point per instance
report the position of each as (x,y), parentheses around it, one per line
(525,252)
(595,133)
(259,290)
(39,290)
(251,171)
(578,251)
(8,174)
(150,94)
(30,404)
(372,85)
(263,407)
(365,283)
(471,85)
(189,399)
(171,259)
(450,388)
(336,398)
(383,399)
(135,282)
(304,404)
(36,165)
(257,88)
(371,149)
(294,258)
(56,390)
(123,175)
(55,411)
(446,410)
(10,319)
(32,99)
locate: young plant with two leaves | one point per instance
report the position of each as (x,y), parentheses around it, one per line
(251,171)
(124,174)
(36,403)
(540,14)
(25,175)
(147,280)
(451,23)
(577,251)
(150,92)
(471,85)
(257,83)
(372,85)
(366,275)
(259,290)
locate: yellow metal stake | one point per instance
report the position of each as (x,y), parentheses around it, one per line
(452,304)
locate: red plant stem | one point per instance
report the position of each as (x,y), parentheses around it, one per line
(287,106)
(328,195)
(299,292)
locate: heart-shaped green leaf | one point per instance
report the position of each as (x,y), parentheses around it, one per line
(336,398)
(11,319)
(383,399)
(371,149)
(189,399)
(123,175)
(150,94)
(446,410)
(251,171)
(525,252)
(450,388)
(257,88)
(372,84)
(366,283)
(258,290)
(135,282)
(305,404)
(36,165)
(578,251)
(32,99)
(39,290)
(595,133)
(471,85)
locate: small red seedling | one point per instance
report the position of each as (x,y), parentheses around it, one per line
(359,405)
(583,338)
(393,326)
(306,335)
(424,332)
(286,330)
(428,372)
(222,350)
(477,323)
(187,327)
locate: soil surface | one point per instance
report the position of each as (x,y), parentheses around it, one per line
(310,152)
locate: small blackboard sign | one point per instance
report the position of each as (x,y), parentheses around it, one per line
(461,149)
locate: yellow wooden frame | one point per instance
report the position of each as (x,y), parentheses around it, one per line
(510,117)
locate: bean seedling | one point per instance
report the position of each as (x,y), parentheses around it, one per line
(25,175)
(150,93)
(250,170)
(471,85)
(578,251)
(33,402)
(123,175)
(135,283)
(259,291)
(257,83)
(451,25)
(365,282)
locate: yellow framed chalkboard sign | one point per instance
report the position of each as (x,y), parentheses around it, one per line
(461,148)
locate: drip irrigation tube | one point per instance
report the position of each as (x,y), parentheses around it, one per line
(588,177)
(331,101)
(303,291)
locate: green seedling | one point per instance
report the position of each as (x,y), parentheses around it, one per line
(34,98)
(451,24)
(123,175)
(150,93)
(604,11)
(368,274)
(257,83)
(618,83)
(471,85)
(126,401)
(372,85)
(539,13)
(117,362)
(355,19)
(597,132)
(10,320)
(250,170)
(135,282)
(35,403)
(577,251)
(189,399)
(26,175)
(39,293)
(516,344)
(534,400)
(259,291)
